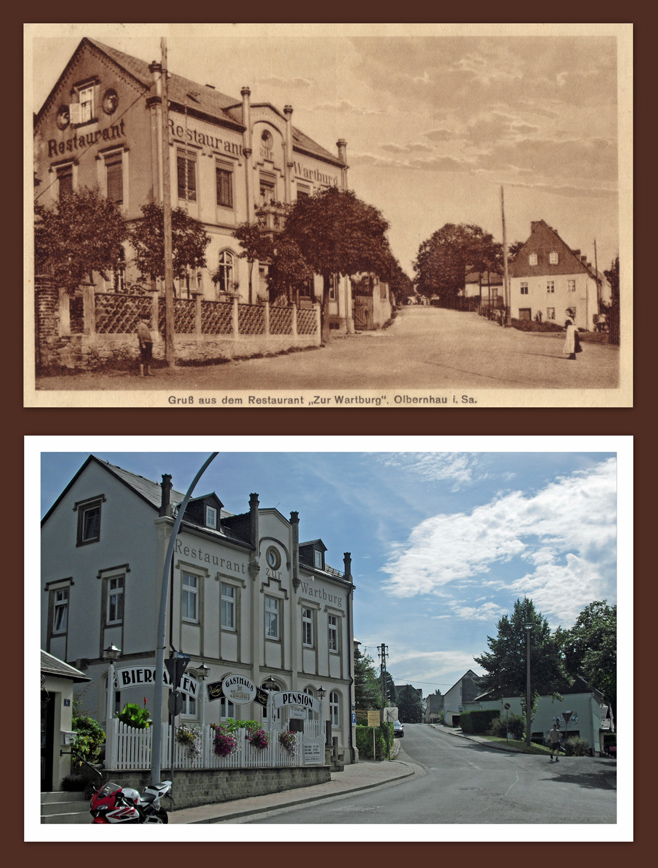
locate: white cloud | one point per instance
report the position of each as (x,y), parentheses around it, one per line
(565,532)
(457,467)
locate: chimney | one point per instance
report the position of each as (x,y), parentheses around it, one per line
(246,113)
(165,504)
(534,224)
(294,521)
(253,520)
(341,144)
(576,252)
(347,561)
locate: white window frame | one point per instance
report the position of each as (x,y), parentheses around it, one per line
(332,633)
(116,598)
(532,259)
(553,258)
(277,711)
(190,193)
(334,709)
(60,604)
(211,517)
(190,593)
(318,560)
(524,288)
(227,171)
(549,311)
(189,708)
(228,604)
(84,508)
(272,619)
(309,712)
(307,627)
(571,285)
(226,709)
(87,113)
(226,271)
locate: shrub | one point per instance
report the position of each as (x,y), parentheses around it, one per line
(89,739)
(288,740)
(258,738)
(576,746)
(383,739)
(133,715)
(190,738)
(500,726)
(478,722)
(74,783)
(224,742)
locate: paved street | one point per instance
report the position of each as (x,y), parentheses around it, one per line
(465,783)
(425,349)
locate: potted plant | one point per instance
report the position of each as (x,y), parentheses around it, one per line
(257,738)
(288,740)
(224,742)
(190,738)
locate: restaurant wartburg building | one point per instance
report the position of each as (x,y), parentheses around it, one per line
(248,600)
(232,160)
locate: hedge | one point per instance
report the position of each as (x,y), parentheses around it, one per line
(478,722)
(383,738)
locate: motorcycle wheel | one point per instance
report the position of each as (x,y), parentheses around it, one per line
(158,817)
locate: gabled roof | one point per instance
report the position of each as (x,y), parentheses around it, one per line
(544,238)
(474,277)
(54,666)
(199,99)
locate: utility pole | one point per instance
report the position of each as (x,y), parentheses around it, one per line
(506,299)
(166,211)
(528,693)
(382,650)
(598,284)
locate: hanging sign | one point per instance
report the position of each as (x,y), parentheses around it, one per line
(238,689)
(138,676)
(214,690)
(305,700)
(296,713)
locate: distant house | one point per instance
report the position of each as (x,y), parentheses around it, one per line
(487,286)
(372,304)
(463,691)
(433,708)
(551,282)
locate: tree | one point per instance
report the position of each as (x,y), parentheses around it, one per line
(410,708)
(256,246)
(189,241)
(80,234)
(445,257)
(367,687)
(400,284)
(505,662)
(289,274)
(590,648)
(337,233)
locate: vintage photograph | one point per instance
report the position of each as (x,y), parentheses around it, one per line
(429,653)
(328,215)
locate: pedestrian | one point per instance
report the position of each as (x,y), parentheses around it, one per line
(145,346)
(571,340)
(554,742)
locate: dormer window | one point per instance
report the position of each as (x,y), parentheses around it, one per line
(319,560)
(553,258)
(86,104)
(211,517)
(532,259)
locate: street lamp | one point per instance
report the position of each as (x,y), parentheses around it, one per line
(321,694)
(202,672)
(111,653)
(528,739)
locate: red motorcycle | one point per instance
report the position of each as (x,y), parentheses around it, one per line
(115,804)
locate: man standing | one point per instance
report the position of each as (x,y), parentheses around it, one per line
(145,346)
(554,742)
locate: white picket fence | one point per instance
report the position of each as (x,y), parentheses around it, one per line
(128,748)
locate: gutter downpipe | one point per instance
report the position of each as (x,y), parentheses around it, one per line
(156,763)
(347,561)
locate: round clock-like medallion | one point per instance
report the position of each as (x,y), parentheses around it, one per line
(110,101)
(273,558)
(267,140)
(63,117)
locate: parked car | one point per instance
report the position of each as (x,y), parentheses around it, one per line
(398,729)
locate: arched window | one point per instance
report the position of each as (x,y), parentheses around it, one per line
(309,712)
(271,687)
(334,708)
(225,271)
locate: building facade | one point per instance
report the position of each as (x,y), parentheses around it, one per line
(232,160)
(550,282)
(247,598)
(460,693)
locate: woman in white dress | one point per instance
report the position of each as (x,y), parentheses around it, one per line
(569,348)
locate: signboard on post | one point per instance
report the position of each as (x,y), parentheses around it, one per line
(313,752)
(373,718)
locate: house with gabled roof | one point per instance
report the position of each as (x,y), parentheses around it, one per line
(550,282)
(246,598)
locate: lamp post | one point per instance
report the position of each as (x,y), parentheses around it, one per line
(111,653)
(528,631)
(321,694)
(202,672)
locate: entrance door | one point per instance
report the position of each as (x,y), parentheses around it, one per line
(47,739)
(525,313)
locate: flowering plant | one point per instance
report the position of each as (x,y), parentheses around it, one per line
(258,738)
(190,738)
(288,740)
(225,743)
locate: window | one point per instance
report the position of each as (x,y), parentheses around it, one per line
(89,522)
(267,191)
(271,618)
(307,627)
(319,560)
(571,285)
(334,708)
(494,293)
(211,516)
(333,286)
(303,192)
(309,711)
(552,258)
(550,286)
(86,98)
(114,177)
(225,271)
(532,259)
(61,611)
(226,709)
(190,607)
(117,276)
(186,167)
(224,178)
(189,284)
(189,706)
(115,600)
(271,688)
(333,632)
(65,180)
(228,607)
(550,313)
(524,289)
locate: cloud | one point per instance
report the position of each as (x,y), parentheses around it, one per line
(278,81)
(485,612)
(565,533)
(460,468)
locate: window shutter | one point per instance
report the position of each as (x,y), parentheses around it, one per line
(115,180)
(74,112)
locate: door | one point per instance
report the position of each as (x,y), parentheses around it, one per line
(47,739)
(525,313)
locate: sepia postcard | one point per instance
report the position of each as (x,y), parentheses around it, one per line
(357,215)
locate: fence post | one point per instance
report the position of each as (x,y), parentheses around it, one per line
(89,303)
(318,321)
(235,317)
(111,744)
(266,318)
(155,314)
(294,320)
(64,311)
(198,295)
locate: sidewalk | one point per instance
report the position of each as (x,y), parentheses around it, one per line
(358,776)
(496,745)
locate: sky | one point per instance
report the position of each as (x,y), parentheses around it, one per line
(443,540)
(436,117)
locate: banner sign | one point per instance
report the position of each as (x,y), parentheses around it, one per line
(215,690)
(304,700)
(238,689)
(138,676)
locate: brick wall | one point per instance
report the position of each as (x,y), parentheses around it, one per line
(194,787)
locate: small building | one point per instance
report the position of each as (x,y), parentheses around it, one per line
(550,282)
(371,302)
(247,598)
(454,700)
(434,708)
(57,683)
(487,287)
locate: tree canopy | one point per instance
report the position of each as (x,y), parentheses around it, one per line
(189,242)
(590,648)
(80,234)
(444,258)
(410,707)
(505,662)
(367,687)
